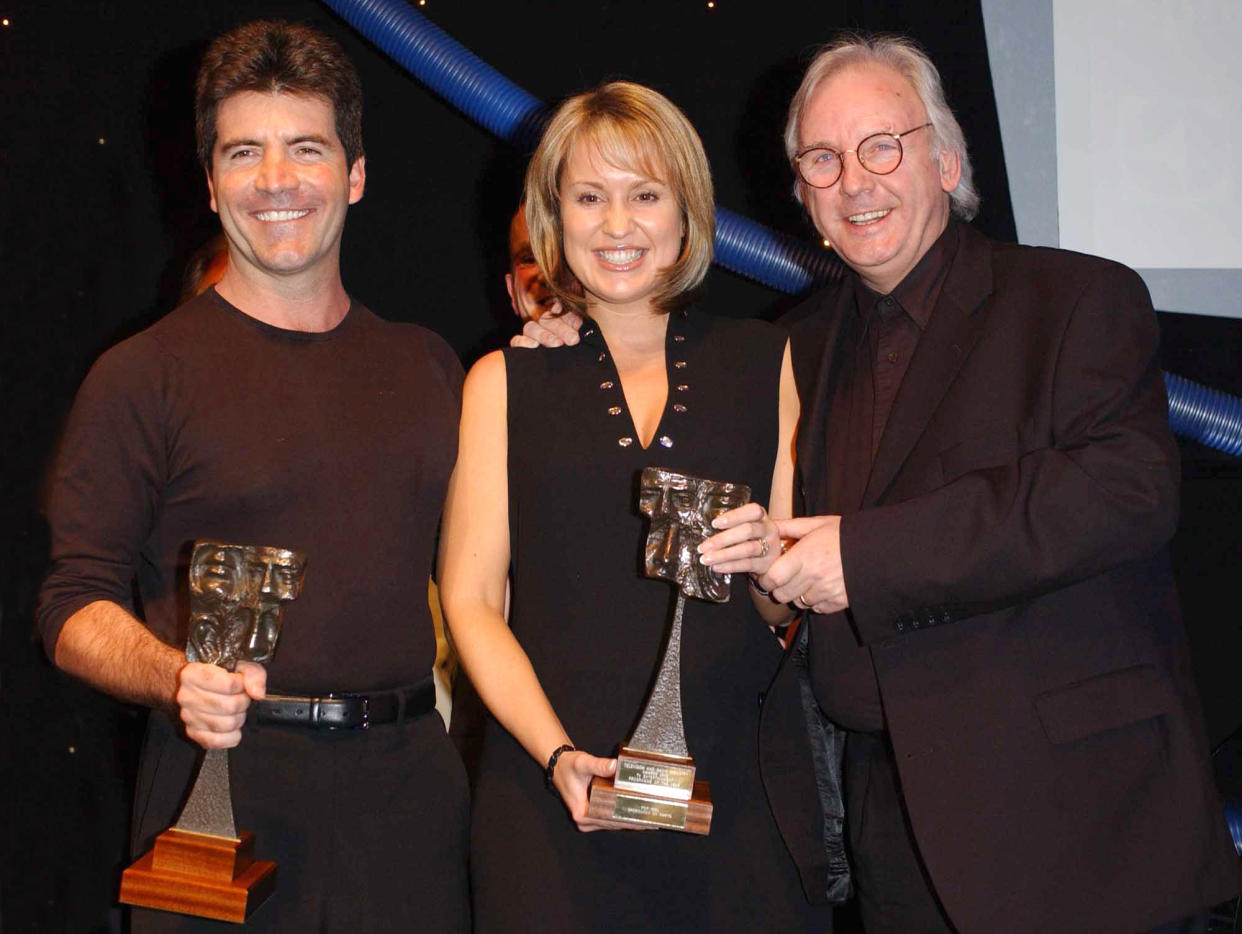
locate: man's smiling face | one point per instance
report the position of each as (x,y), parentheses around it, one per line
(280,183)
(880,225)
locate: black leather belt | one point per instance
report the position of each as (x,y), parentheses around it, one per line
(347,711)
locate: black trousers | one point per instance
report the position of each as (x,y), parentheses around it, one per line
(894,892)
(369,829)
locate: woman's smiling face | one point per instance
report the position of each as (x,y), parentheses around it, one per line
(621,227)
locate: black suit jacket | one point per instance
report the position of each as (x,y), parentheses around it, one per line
(1008,575)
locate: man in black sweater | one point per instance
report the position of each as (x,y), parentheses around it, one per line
(275,410)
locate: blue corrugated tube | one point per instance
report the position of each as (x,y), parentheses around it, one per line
(1207,415)
(1233,817)
(447,67)
(775,259)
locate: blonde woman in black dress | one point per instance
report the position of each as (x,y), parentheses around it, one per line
(619,206)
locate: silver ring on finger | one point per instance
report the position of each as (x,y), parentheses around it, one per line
(763,547)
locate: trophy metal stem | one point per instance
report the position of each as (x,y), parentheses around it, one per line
(661,729)
(209,809)
(654,782)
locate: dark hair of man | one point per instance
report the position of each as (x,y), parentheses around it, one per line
(275,57)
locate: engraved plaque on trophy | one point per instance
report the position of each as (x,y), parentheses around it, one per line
(201,865)
(655,784)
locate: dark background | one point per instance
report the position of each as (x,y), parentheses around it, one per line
(102,204)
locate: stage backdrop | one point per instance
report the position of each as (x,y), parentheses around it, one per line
(103,202)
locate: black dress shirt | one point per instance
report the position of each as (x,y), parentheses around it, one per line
(888,329)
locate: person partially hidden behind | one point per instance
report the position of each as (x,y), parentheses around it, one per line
(529,294)
(205,267)
(172,439)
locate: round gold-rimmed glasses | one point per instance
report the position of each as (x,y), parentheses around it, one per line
(879,153)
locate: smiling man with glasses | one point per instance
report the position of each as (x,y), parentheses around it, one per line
(987,482)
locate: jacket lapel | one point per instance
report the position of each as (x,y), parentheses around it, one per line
(951,334)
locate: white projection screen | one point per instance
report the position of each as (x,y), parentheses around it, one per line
(1144,112)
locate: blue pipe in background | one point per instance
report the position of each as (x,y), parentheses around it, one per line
(774,259)
(1207,415)
(1233,817)
(447,67)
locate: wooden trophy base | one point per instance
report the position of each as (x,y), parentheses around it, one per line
(198,874)
(634,807)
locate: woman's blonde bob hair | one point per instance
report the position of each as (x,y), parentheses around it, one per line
(641,130)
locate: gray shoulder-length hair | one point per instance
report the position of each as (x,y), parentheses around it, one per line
(905,57)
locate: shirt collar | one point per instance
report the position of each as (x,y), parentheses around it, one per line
(916,294)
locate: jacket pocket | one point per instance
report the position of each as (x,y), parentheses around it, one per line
(1103,703)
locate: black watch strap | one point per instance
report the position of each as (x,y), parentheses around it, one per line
(552,760)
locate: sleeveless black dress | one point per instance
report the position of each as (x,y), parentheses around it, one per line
(593,624)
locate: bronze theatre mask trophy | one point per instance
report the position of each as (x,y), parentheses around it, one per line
(201,865)
(654,784)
